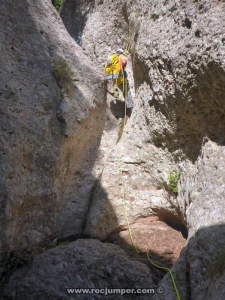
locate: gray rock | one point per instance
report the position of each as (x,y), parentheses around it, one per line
(178,102)
(39,134)
(82,264)
(60,171)
(178,79)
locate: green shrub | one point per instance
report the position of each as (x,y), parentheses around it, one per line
(63,74)
(218,265)
(173,178)
(64,243)
(57,3)
(47,245)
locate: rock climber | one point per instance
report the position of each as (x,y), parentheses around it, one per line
(123,73)
(115,70)
(122,60)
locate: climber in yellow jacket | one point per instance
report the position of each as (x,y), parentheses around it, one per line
(115,70)
(123,73)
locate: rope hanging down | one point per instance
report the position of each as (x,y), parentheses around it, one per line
(127,49)
(124,200)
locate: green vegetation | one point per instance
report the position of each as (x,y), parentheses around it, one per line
(218,266)
(173,178)
(64,243)
(47,245)
(131,247)
(63,74)
(57,3)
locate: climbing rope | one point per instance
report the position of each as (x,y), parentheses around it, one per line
(127,49)
(124,198)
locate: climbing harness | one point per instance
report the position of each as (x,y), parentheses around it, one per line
(113,66)
(124,200)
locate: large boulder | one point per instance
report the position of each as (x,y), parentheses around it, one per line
(84,264)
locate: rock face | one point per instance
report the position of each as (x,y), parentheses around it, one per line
(60,170)
(178,70)
(202,198)
(42,128)
(82,264)
(177,124)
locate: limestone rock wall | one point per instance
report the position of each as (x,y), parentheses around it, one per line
(60,154)
(177,64)
(177,123)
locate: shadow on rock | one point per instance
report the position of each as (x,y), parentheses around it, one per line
(74,15)
(193,113)
(199,271)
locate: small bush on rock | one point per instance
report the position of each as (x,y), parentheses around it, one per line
(64,243)
(63,74)
(47,245)
(173,178)
(218,265)
(57,3)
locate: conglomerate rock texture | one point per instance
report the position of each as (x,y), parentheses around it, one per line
(178,70)
(60,170)
(178,121)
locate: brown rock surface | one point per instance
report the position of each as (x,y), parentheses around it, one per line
(151,235)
